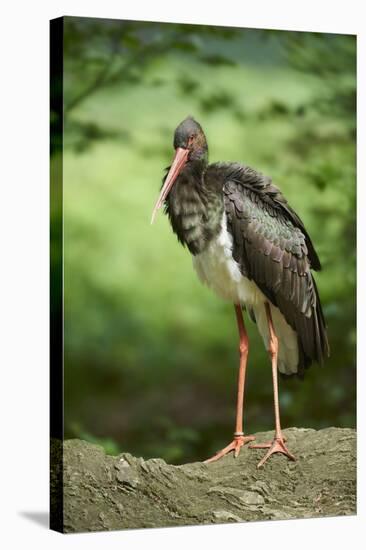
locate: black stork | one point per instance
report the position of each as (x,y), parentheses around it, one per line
(253,250)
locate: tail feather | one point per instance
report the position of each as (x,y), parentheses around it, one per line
(302,338)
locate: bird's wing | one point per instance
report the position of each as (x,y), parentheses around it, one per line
(272,248)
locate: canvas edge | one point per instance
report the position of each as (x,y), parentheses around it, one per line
(56,521)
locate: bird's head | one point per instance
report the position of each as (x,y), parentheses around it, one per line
(190,137)
(190,145)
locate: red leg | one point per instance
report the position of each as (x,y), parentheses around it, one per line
(239,438)
(278,443)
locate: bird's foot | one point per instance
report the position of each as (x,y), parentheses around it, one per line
(277,445)
(238,442)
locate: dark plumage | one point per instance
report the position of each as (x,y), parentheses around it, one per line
(195,207)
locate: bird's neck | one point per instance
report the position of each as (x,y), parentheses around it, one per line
(200,154)
(194,169)
(194,208)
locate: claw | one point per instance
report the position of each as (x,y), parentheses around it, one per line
(236,445)
(275,446)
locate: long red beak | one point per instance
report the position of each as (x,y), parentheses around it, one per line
(180,158)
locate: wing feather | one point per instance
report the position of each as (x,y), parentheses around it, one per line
(273,248)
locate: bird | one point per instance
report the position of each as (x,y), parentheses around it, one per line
(251,248)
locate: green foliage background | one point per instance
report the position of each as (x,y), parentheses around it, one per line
(151,355)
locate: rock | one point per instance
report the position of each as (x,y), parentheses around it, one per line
(223,516)
(126,474)
(102,492)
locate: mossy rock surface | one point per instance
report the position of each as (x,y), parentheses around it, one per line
(102,492)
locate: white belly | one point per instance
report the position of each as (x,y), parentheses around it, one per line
(217,269)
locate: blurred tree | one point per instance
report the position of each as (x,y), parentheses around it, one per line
(285,103)
(332,58)
(101,53)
